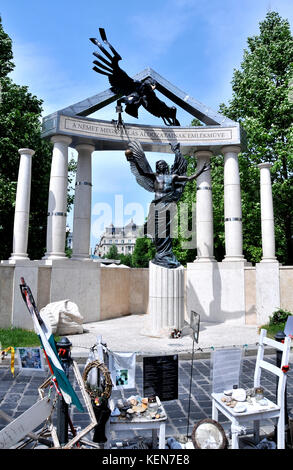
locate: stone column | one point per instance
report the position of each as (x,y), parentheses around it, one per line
(267,213)
(232,205)
(82,203)
(22,205)
(204,210)
(57,206)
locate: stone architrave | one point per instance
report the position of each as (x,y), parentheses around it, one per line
(166,300)
(22,205)
(204,210)
(57,205)
(232,205)
(82,203)
(267,214)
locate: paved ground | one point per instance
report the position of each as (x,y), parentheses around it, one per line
(18,393)
(129,334)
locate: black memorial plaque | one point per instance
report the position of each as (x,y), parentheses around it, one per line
(160,377)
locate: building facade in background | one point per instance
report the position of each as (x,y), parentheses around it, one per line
(123,237)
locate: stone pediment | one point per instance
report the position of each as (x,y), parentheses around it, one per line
(181,99)
(73,121)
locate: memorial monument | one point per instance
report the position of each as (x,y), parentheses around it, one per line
(220,291)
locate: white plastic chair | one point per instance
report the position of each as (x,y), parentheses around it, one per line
(255,412)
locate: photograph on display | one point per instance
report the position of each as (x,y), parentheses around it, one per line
(30,358)
(122,377)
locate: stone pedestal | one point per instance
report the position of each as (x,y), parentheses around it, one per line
(267,290)
(166,300)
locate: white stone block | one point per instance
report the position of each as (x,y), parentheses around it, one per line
(63,316)
(267,290)
(216,291)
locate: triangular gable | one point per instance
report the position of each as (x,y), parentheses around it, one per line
(181,99)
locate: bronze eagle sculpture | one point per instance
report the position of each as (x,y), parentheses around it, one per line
(133,93)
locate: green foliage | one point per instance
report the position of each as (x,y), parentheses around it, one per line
(143,252)
(126,259)
(279,316)
(277,322)
(113,253)
(20,127)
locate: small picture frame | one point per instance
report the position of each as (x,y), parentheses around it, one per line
(30,359)
(122,377)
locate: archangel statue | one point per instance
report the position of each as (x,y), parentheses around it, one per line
(133,93)
(168,185)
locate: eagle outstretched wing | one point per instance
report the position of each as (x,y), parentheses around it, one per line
(140,161)
(107,64)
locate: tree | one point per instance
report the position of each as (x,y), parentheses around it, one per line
(113,253)
(20,127)
(260,102)
(143,252)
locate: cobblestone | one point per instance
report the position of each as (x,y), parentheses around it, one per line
(19,393)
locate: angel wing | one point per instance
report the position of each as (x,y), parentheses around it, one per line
(107,64)
(140,161)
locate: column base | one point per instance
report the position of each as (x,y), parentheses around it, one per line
(80,257)
(269,260)
(49,256)
(233,258)
(18,256)
(205,259)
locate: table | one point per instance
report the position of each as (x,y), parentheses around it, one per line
(140,422)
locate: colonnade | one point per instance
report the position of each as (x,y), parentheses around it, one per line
(57,205)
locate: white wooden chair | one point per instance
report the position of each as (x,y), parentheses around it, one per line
(254,411)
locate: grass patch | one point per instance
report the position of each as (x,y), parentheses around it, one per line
(272,330)
(277,322)
(19,338)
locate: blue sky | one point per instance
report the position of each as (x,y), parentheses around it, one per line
(194,44)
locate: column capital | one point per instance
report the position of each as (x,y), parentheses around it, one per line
(83,146)
(264,165)
(231,148)
(26,151)
(203,153)
(64,139)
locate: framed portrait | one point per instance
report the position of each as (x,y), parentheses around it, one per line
(30,359)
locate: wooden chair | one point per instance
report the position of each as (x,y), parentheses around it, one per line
(254,411)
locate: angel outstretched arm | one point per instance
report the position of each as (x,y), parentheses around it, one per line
(205,167)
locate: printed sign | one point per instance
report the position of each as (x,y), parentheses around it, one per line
(160,377)
(122,369)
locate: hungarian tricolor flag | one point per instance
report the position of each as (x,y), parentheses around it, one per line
(48,343)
